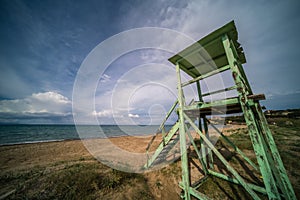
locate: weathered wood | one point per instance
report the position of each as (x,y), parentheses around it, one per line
(257,97)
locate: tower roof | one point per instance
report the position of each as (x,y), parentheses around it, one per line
(208,53)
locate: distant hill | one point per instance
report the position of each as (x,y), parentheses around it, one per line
(270,114)
(289,113)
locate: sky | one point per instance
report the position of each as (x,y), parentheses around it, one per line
(44,45)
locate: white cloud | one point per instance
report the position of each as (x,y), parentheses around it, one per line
(143,93)
(39,105)
(169,14)
(139,89)
(51,97)
(103,113)
(105,78)
(133,115)
(154,56)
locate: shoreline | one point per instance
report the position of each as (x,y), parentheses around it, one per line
(70,139)
(225,129)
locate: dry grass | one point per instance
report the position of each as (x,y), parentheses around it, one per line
(66,170)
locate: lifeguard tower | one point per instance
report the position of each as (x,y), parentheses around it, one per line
(212,55)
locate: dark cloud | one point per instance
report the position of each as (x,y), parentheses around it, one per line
(36,118)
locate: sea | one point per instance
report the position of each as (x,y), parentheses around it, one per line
(21,134)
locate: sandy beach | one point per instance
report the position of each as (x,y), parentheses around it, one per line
(48,157)
(27,155)
(23,164)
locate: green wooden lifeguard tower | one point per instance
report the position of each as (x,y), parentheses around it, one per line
(214,54)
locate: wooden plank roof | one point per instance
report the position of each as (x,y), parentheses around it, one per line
(208,53)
